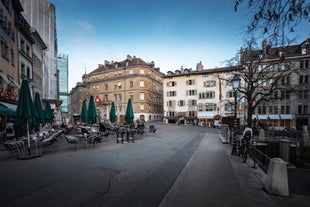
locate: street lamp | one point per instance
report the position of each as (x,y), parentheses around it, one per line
(235,84)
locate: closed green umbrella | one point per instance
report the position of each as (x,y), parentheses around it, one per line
(92,112)
(49,115)
(84,112)
(25,112)
(113,113)
(38,110)
(129,116)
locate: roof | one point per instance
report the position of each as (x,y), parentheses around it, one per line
(276,52)
(186,71)
(125,63)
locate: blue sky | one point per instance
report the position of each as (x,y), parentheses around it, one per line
(172,33)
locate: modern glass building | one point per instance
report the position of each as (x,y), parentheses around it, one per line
(62,67)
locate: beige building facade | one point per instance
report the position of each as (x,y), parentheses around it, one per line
(287,109)
(199,96)
(9,66)
(117,82)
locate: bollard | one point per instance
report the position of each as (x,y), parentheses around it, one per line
(254,154)
(276,181)
(285,149)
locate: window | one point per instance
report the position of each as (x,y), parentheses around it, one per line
(304,79)
(210,107)
(12,57)
(190,82)
(285,81)
(191,92)
(28,50)
(141,107)
(106,87)
(120,97)
(181,103)
(142,96)
(230,94)
(192,102)
(270,109)
(22,45)
(141,71)
(285,95)
(141,83)
(285,109)
(131,84)
(170,103)
(4,50)
(261,109)
(302,109)
(200,107)
(207,95)
(171,93)
(192,113)
(304,64)
(207,84)
(115,97)
(171,83)
(304,51)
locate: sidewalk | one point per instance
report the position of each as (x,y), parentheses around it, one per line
(213,177)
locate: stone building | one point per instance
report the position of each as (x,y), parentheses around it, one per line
(199,96)
(117,82)
(9,69)
(76,97)
(289,103)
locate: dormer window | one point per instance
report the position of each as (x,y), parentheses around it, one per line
(170,73)
(281,54)
(304,51)
(186,71)
(177,72)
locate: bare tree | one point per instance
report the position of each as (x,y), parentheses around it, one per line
(265,75)
(274,18)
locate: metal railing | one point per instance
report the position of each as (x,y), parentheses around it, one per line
(260,159)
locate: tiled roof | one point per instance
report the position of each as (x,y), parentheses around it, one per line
(121,64)
(275,52)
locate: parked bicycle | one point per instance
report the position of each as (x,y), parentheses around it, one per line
(245,144)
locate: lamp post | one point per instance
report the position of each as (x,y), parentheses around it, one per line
(235,84)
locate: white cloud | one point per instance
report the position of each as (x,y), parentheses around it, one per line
(85,26)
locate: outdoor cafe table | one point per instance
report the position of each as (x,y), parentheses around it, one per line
(125,130)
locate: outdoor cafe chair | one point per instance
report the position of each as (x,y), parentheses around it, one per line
(50,140)
(72,140)
(15,147)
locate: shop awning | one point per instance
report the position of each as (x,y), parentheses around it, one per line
(274,116)
(4,76)
(205,115)
(286,116)
(262,116)
(6,110)
(12,82)
(9,105)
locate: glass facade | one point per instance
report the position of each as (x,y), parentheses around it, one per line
(62,66)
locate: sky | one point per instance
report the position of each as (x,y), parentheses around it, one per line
(172,33)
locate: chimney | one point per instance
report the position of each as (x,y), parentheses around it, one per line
(199,66)
(264,47)
(106,62)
